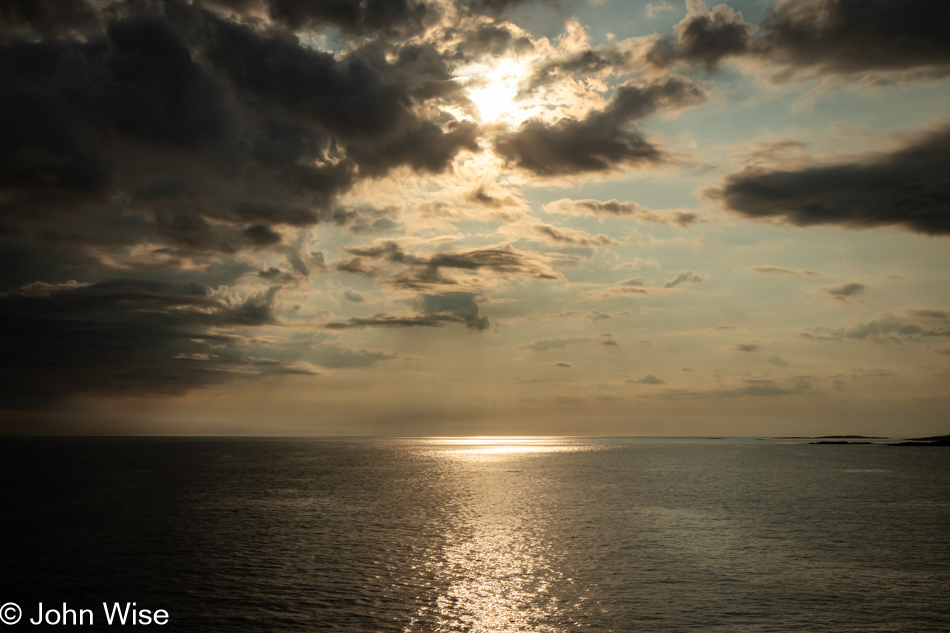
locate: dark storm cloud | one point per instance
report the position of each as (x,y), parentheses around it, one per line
(262,235)
(602,140)
(121,338)
(704,37)
(822,36)
(48,17)
(174,111)
(847,36)
(349,15)
(909,187)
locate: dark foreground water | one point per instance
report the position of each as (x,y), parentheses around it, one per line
(458,535)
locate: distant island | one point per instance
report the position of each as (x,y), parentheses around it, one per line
(935,440)
(831,437)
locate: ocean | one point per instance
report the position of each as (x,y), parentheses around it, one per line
(481,535)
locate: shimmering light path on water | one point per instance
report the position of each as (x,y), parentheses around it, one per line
(484,534)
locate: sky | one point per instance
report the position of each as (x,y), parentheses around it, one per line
(474,217)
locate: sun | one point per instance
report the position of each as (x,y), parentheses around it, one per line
(494,90)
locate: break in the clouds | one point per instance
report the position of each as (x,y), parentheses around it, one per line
(376,208)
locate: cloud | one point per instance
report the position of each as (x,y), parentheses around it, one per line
(437,309)
(560,365)
(778,361)
(846,290)
(907,326)
(336,357)
(459,304)
(356,265)
(683,277)
(750,387)
(546,344)
(603,139)
(907,188)
(655,9)
(746,347)
(276,274)
(354,297)
(355,17)
(631,210)
(650,379)
(573,236)
(425,271)
(124,338)
(835,36)
(778,270)
(389,321)
(703,37)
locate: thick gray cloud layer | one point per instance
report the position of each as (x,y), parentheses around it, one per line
(909,187)
(857,35)
(123,338)
(821,36)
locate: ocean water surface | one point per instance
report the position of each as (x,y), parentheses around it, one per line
(480,535)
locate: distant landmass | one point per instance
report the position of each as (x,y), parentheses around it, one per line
(935,440)
(832,437)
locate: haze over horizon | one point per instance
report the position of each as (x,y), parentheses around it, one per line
(475,217)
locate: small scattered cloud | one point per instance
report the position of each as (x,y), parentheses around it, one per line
(746,347)
(778,270)
(683,277)
(846,291)
(778,361)
(654,9)
(626,210)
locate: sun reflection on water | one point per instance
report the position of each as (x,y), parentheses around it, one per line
(499,570)
(504,445)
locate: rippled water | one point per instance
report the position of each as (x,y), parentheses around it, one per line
(482,535)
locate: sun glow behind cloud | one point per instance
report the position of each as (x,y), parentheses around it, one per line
(494,90)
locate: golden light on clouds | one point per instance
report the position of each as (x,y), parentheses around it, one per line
(494,89)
